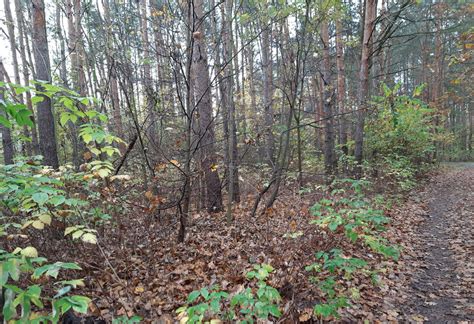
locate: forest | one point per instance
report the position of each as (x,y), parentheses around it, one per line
(236,161)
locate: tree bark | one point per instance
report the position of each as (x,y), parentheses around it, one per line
(363,92)
(202,95)
(46,127)
(25,67)
(341,87)
(150,101)
(268,94)
(328,90)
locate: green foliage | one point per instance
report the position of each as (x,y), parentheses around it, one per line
(248,304)
(38,195)
(26,261)
(347,211)
(17,111)
(402,126)
(401,136)
(33,196)
(355,216)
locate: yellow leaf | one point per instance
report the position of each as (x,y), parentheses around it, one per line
(28,223)
(29,252)
(89,238)
(77,234)
(38,224)
(214,167)
(45,218)
(175,163)
(139,289)
(149,195)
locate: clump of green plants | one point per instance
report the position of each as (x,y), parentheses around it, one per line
(349,212)
(245,306)
(354,216)
(29,300)
(33,196)
(401,136)
(336,264)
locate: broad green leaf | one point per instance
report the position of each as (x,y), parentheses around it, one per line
(40,197)
(5,122)
(57,200)
(193,296)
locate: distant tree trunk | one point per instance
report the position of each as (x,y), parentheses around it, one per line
(46,127)
(113,86)
(437,81)
(11,37)
(16,74)
(147,81)
(341,87)
(329,153)
(76,54)
(363,92)
(202,94)
(233,180)
(249,53)
(26,71)
(7,142)
(62,48)
(268,94)
(228,58)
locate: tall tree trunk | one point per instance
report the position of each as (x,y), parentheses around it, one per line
(329,153)
(268,93)
(73,13)
(202,94)
(228,59)
(25,67)
(62,48)
(147,81)
(233,179)
(363,92)
(46,127)
(112,71)
(341,87)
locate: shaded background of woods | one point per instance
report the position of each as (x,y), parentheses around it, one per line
(208,93)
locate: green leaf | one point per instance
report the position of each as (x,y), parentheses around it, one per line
(5,122)
(63,291)
(23,117)
(193,296)
(40,197)
(65,117)
(80,303)
(36,99)
(205,293)
(57,200)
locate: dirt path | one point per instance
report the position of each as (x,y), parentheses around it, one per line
(440,268)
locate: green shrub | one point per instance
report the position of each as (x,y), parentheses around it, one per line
(245,306)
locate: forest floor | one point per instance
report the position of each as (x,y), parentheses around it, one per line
(435,276)
(139,268)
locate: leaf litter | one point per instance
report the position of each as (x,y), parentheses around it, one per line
(141,269)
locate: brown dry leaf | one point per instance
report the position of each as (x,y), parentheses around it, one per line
(306,315)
